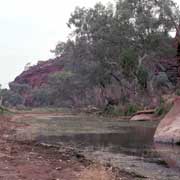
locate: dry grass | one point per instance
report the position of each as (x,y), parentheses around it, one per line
(97,172)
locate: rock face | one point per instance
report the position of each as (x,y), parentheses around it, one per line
(170,67)
(168,131)
(37,75)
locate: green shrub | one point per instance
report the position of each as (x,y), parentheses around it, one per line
(113,110)
(40,97)
(130,110)
(11,98)
(142,77)
(160,111)
(110,110)
(129,62)
(121,110)
(163,108)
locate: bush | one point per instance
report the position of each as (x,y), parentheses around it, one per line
(160,111)
(109,110)
(40,97)
(19,88)
(163,108)
(142,77)
(121,110)
(11,98)
(129,62)
(130,110)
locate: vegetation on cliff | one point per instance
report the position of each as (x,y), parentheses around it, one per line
(112,57)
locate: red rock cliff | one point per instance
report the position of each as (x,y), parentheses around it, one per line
(37,75)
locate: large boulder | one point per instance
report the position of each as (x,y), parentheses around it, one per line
(168,131)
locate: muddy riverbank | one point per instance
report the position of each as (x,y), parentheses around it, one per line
(28,159)
(124,150)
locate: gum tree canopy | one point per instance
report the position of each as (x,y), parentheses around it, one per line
(107,41)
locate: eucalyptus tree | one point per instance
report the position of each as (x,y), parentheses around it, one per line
(109,43)
(105,32)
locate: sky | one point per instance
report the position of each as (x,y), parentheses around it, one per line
(29,29)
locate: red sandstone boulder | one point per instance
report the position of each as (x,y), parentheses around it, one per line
(168,131)
(142,117)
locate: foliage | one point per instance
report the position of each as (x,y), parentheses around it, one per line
(40,97)
(129,62)
(19,88)
(106,46)
(163,108)
(114,111)
(127,110)
(60,48)
(160,111)
(111,39)
(64,87)
(11,98)
(131,109)
(142,77)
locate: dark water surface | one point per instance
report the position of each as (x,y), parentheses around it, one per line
(130,140)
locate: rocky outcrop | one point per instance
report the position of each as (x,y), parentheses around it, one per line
(37,75)
(146,115)
(168,131)
(170,67)
(142,117)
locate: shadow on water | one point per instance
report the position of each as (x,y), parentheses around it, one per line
(170,154)
(132,141)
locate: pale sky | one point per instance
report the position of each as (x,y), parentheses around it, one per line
(29,29)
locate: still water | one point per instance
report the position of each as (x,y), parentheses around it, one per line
(128,145)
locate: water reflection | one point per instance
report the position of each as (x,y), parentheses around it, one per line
(125,144)
(131,140)
(170,154)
